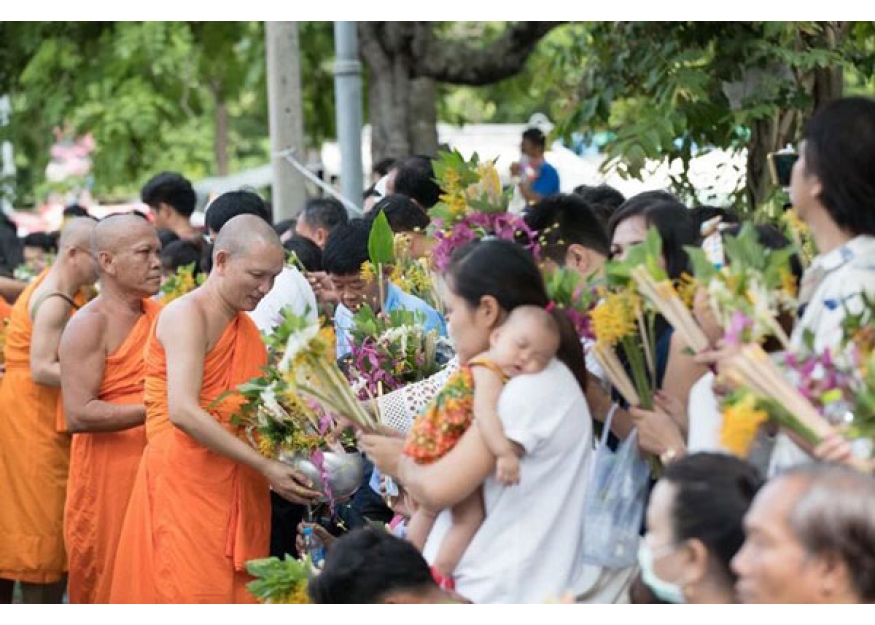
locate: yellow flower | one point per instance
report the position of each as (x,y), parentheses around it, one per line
(740,424)
(368,273)
(686,289)
(788,282)
(265,447)
(298,595)
(615,317)
(451,181)
(794,221)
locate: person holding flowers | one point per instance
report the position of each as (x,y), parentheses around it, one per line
(346,260)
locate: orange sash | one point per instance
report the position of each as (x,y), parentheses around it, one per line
(102,470)
(34,460)
(194,517)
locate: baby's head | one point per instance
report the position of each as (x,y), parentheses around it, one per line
(526,342)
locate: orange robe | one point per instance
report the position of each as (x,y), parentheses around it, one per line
(34,460)
(102,470)
(194,518)
(5,309)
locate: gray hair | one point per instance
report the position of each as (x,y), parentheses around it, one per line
(836,515)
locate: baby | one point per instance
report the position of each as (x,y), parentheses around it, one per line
(525,344)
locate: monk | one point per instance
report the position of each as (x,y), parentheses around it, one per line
(200,507)
(102,370)
(34,456)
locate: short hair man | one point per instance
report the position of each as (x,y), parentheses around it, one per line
(343,258)
(319,218)
(538,178)
(810,539)
(414,177)
(33,445)
(211,490)
(102,368)
(172,200)
(373,566)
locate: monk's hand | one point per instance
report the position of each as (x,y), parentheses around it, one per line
(290,484)
(384,451)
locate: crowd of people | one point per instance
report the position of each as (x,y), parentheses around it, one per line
(125,477)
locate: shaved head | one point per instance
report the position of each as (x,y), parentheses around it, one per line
(242,233)
(77,233)
(118,232)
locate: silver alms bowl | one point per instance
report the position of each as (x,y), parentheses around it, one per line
(345,472)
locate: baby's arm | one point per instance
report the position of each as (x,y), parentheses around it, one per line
(487,389)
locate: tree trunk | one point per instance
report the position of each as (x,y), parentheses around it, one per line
(767,135)
(405,60)
(220,140)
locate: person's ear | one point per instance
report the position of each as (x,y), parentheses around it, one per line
(321,237)
(698,561)
(221,261)
(489,311)
(579,258)
(833,576)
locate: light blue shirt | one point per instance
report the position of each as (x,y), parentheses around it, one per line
(396,299)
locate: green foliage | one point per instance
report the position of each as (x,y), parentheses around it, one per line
(381,242)
(280,581)
(149,93)
(647,253)
(675,89)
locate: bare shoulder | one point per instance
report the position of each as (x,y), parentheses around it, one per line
(182,320)
(53,311)
(90,320)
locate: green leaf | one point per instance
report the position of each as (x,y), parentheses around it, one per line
(381,248)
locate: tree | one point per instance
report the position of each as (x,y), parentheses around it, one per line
(185,96)
(672,90)
(405,60)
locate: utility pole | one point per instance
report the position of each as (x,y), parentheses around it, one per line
(7,171)
(348,102)
(286,116)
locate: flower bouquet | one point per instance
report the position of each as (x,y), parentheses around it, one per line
(645,270)
(391,350)
(808,404)
(180,283)
(756,282)
(413,275)
(620,327)
(472,206)
(289,411)
(280,581)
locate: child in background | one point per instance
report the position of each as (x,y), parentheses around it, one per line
(525,344)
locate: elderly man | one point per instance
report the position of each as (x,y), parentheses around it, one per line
(810,539)
(34,454)
(207,508)
(102,370)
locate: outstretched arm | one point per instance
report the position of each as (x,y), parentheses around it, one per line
(440,484)
(82,360)
(182,331)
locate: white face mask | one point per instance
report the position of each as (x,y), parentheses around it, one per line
(665,591)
